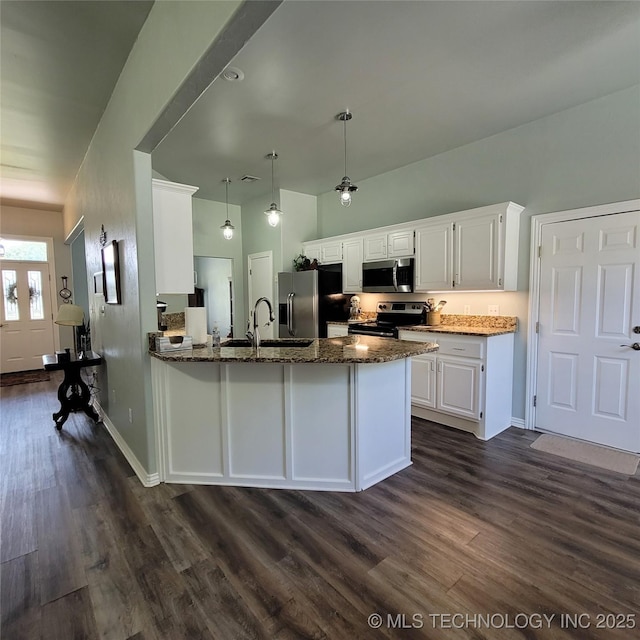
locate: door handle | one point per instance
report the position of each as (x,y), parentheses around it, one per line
(635,346)
(395,275)
(290,313)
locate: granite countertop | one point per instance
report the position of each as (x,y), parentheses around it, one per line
(345,349)
(459,330)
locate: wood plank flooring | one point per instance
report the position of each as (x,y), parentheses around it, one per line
(471,528)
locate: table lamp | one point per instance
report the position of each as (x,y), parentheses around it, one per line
(71,315)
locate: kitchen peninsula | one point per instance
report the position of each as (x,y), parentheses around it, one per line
(326,414)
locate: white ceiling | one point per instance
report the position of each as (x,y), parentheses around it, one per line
(420,77)
(59,62)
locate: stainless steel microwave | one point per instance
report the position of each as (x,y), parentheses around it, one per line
(388,276)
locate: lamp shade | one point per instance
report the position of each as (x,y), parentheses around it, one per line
(70,315)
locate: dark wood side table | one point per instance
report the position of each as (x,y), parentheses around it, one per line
(73,392)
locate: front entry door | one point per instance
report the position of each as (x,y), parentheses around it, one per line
(26,322)
(588,372)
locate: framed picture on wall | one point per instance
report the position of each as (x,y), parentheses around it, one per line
(111,273)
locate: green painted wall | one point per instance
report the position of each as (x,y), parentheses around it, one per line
(583,156)
(113,188)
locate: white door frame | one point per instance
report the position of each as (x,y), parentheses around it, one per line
(53,289)
(537,222)
(250,257)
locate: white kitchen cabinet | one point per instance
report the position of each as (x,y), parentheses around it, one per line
(329,252)
(434,257)
(459,386)
(173,236)
(313,251)
(469,384)
(423,381)
(380,246)
(352,266)
(337,330)
(478,252)
(475,250)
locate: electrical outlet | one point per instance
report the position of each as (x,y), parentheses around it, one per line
(130,415)
(467,309)
(494,310)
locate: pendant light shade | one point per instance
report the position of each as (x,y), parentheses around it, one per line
(345,188)
(273,213)
(227,227)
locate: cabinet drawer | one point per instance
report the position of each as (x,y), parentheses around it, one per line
(458,346)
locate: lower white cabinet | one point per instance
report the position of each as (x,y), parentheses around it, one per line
(337,330)
(423,381)
(467,384)
(459,388)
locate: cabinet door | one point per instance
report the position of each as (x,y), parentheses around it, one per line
(434,257)
(375,247)
(477,253)
(312,251)
(423,381)
(459,387)
(400,244)
(352,266)
(331,252)
(173,236)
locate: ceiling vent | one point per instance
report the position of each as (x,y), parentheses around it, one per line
(248,179)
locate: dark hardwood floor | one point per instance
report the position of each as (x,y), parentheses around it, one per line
(471,529)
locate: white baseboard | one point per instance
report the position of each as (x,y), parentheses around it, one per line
(147,479)
(518,422)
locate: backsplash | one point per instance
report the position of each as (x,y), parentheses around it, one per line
(174,320)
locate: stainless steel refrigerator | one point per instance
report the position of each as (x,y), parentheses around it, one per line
(307,300)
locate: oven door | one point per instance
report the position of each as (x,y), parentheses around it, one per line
(388,276)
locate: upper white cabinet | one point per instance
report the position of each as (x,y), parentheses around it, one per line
(331,252)
(328,252)
(396,244)
(472,250)
(173,236)
(434,257)
(352,265)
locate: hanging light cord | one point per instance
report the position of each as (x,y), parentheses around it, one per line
(226,191)
(273,154)
(344,123)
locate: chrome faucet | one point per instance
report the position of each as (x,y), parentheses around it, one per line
(255,335)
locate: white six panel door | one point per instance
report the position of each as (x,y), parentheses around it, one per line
(26,323)
(588,374)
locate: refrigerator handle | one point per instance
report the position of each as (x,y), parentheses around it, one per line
(290,313)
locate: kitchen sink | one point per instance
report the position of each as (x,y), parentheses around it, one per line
(283,342)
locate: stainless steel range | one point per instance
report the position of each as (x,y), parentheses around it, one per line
(391,315)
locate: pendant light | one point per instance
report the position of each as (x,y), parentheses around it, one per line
(345,188)
(273,213)
(227,227)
